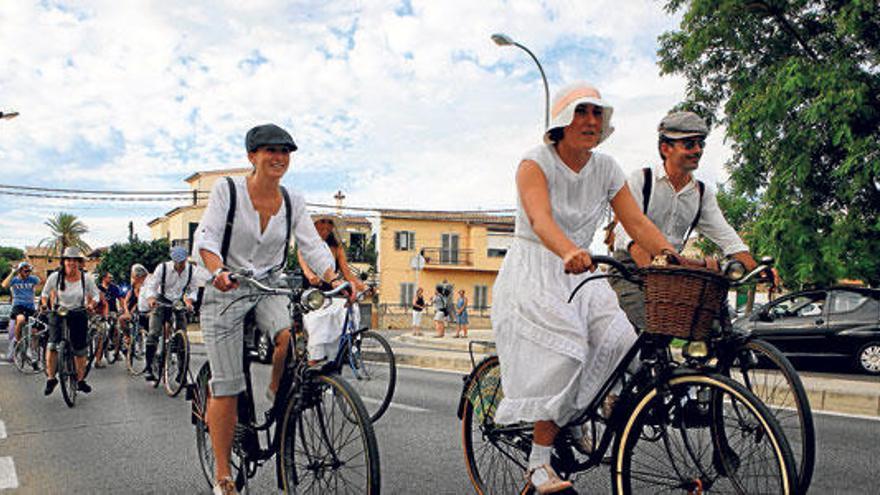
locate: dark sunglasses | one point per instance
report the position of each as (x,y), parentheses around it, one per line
(690,144)
(280,149)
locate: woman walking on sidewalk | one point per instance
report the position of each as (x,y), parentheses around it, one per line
(418,306)
(461,315)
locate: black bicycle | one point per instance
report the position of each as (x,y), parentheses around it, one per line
(66,370)
(29,355)
(317,424)
(764,370)
(673,428)
(171,363)
(135,338)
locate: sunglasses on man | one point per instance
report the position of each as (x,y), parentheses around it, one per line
(690,144)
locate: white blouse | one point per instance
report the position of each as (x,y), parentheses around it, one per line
(72,295)
(249,249)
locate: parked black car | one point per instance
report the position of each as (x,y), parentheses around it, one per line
(842,322)
(5,311)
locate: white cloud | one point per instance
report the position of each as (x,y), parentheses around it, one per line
(420,111)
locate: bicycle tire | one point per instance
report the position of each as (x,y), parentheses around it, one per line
(687,407)
(199,408)
(92,346)
(784,395)
(495,462)
(371,369)
(322,414)
(176,363)
(111,352)
(67,374)
(21,357)
(135,354)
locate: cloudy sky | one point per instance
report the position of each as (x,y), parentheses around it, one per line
(399,103)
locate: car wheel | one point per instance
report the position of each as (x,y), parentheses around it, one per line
(868,358)
(264,348)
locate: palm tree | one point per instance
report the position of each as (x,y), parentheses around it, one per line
(67,231)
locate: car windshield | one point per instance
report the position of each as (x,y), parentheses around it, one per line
(5,310)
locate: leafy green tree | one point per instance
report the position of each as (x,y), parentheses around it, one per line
(67,231)
(796,85)
(9,256)
(120,256)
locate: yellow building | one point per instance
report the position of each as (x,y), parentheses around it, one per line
(464,249)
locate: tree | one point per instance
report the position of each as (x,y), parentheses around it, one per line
(120,256)
(796,84)
(67,231)
(8,257)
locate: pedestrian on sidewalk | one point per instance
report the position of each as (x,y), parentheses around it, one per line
(440,312)
(418,306)
(461,315)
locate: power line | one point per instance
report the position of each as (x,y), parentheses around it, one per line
(96,191)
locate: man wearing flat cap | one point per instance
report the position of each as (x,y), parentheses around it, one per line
(677,203)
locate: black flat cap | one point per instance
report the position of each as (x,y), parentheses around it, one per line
(268,135)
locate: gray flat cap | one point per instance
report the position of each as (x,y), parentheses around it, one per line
(680,125)
(72,253)
(268,135)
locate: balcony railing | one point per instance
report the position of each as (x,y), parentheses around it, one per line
(435,256)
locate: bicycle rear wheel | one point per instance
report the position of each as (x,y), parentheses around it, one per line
(496,458)
(199,408)
(134,358)
(766,372)
(176,363)
(372,371)
(67,376)
(327,441)
(701,433)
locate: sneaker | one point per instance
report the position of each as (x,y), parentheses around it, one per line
(51,383)
(545,480)
(100,364)
(83,387)
(225,487)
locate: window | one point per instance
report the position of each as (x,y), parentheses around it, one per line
(357,247)
(804,305)
(449,249)
(481,297)
(846,301)
(496,252)
(404,240)
(407,294)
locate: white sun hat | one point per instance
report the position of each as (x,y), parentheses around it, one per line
(568,98)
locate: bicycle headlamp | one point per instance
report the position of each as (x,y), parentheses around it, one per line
(735,270)
(178,305)
(62,311)
(313,299)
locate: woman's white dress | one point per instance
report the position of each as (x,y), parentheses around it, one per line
(555,355)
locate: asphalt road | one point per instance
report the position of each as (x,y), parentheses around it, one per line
(126,437)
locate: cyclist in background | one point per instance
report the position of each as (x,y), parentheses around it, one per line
(111,299)
(133,300)
(22,284)
(71,289)
(171,281)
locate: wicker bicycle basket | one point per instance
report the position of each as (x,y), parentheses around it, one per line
(683,302)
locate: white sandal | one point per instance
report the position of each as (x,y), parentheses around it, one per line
(552,484)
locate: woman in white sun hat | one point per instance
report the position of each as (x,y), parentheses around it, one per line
(554,355)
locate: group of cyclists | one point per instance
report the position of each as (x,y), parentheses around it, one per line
(564,188)
(72,294)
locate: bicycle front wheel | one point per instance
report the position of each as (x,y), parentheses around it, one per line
(134,358)
(67,376)
(767,373)
(26,357)
(176,363)
(701,433)
(495,457)
(371,370)
(327,441)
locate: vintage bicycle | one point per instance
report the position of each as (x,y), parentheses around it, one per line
(317,429)
(671,428)
(171,362)
(29,355)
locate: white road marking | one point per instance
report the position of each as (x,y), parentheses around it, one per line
(2,430)
(395,405)
(846,415)
(8,480)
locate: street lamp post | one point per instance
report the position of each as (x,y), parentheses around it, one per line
(504,40)
(8,115)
